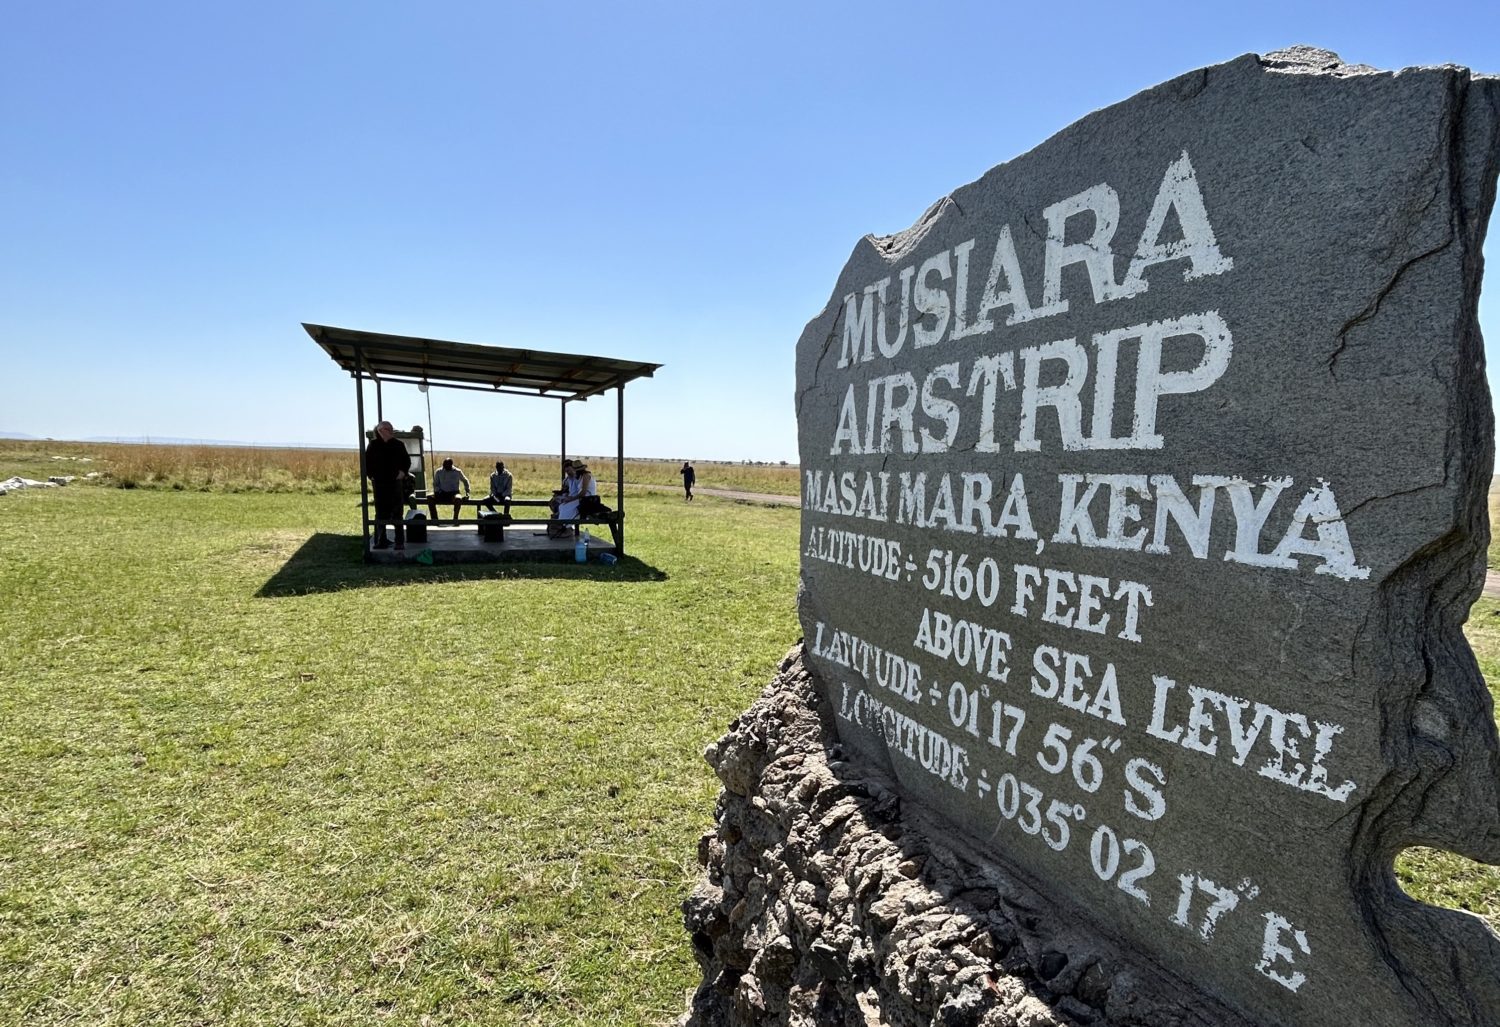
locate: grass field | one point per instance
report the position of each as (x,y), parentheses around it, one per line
(246,779)
(474,799)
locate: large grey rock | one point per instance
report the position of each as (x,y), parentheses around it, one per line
(1144,504)
(823,902)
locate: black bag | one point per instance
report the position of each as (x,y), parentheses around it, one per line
(591,506)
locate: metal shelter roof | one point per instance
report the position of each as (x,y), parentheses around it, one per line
(467,365)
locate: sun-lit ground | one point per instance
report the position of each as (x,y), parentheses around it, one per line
(245,778)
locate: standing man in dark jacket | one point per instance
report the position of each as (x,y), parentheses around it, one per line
(388,466)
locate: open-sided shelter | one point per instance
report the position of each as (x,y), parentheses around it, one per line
(409,360)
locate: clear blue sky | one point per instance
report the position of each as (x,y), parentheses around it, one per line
(182,184)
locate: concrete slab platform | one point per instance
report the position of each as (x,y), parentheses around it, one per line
(462,543)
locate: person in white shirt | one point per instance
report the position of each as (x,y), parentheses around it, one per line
(445,484)
(583,485)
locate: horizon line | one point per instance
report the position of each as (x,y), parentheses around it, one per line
(147,440)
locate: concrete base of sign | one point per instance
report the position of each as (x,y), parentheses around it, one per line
(826,901)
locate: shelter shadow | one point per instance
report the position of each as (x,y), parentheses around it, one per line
(327,562)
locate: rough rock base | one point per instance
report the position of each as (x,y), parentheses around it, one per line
(825,902)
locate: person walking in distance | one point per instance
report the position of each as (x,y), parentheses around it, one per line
(689,477)
(388,466)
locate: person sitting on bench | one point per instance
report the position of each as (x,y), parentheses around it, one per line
(579,493)
(589,504)
(581,485)
(501,484)
(445,483)
(568,490)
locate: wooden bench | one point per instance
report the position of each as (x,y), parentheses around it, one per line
(492,525)
(422,501)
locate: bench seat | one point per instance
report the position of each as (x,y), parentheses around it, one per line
(492,526)
(420,501)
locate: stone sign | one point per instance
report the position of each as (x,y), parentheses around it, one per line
(1143,504)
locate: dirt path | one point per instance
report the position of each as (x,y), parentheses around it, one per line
(744,497)
(1492,584)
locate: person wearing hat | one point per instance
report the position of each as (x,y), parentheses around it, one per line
(388,466)
(445,483)
(583,486)
(589,503)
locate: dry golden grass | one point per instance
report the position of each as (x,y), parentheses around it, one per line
(255,469)
(1494,554)
(234,469)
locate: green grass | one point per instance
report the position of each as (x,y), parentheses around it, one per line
(466,800)
(245,779)
(41,460)
(1443,878)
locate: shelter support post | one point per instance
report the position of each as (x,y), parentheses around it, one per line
(563,451)
(364,481)
(620,462)
(431,445)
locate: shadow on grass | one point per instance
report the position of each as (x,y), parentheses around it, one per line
(331,563)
